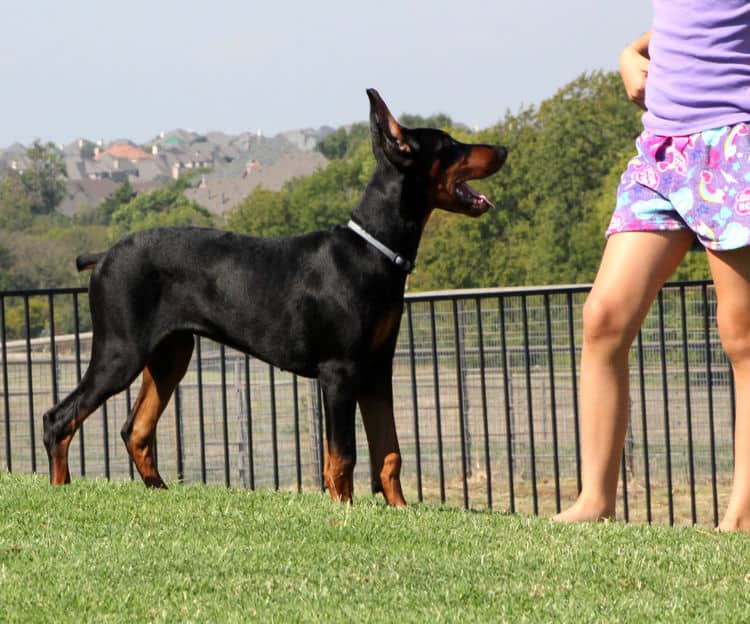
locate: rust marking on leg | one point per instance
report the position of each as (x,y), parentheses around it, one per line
(385,327)
(60,471)
(59,468)
(146,411)
(385,455)
(160,377)
(339,476)
(390,478)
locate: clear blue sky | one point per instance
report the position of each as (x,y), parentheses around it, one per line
(106,70)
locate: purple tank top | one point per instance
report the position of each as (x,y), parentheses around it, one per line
(699,74)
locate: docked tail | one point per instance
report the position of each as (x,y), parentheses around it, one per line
(86,262)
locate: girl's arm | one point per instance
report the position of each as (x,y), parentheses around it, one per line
(634,61)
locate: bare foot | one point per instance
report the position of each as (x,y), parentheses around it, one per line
(581,511)
(737,515)
(734,523)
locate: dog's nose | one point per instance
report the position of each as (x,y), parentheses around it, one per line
(501,153)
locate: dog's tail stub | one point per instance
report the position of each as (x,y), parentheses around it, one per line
(86,262)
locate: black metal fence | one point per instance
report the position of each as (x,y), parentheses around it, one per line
(485,385)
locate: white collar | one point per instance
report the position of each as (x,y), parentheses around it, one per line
(397,259)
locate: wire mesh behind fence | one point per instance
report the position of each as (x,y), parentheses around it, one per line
(485,386)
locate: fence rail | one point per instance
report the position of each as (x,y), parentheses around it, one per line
(485,387)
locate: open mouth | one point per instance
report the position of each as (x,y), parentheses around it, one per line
(476,203)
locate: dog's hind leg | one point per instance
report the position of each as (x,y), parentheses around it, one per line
(108,373)
(165,368)
(60,424)
(340,446)
(376,406)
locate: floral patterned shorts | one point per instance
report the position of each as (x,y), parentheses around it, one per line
(700,182)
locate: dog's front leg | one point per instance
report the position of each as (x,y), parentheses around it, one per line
(376,405)
(340,445)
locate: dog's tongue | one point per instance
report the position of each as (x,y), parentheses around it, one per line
(478,201)
(482,201)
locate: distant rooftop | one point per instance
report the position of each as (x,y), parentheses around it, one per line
(124,150)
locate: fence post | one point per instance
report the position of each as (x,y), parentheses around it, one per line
(242,415)
(630,442)
(178,433)
(6,386)
(514,417)
(316,443)
(464,394)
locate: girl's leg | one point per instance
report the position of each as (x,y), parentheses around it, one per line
(731,273)
(634,267)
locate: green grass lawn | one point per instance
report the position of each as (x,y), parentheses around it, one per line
(97,551)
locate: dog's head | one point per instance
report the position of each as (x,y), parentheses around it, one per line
(435,157)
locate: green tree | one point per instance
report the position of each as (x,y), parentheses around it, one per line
(88,150)
(75,239)
(44,180)
(307,204)
(6,265)
(452,253)
(582,132)
(264,213)
(439,121)
(123,195)
(160,208)
(38,262)
(326,198)
(15,207)
(563,158)
(343,141)
(15,318)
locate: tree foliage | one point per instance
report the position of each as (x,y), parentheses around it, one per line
(265,212)
(305,204)
(48,260)
(160,208)
(15,205)
(122,196)
(340,143)
(561,162)
(44,179)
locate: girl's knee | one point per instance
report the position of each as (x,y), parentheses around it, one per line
(734,331)
(604,320)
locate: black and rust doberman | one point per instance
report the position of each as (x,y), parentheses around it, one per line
(326,304)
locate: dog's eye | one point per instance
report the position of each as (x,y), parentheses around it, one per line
(410,145)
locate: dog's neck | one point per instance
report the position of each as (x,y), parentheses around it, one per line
(391,212)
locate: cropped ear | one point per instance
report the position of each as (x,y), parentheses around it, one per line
(388,137)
